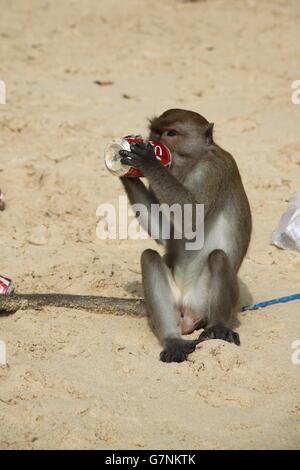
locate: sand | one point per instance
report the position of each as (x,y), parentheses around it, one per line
(81,380)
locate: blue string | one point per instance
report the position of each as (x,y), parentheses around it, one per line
(266,303)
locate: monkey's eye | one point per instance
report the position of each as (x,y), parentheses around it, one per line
(171,133)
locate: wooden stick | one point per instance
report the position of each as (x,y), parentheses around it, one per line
(93,303)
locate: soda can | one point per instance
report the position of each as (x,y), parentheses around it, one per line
(6,286)
(113,159)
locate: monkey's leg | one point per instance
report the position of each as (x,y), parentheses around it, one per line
(162,310)
(223,296)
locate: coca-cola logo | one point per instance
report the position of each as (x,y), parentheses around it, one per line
(158,150)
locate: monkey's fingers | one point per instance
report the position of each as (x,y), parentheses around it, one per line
(141,144)
(220,332)
(132,159)
(136,150)
(130,136)
(177,350)
(127,158)
(130,155)
(127,161)
(125,153)
(143,148)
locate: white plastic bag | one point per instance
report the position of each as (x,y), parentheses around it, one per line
(287,234)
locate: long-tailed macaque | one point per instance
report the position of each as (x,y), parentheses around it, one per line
(185,289)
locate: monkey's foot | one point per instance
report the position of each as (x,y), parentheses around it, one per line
(220,332)
(177,349)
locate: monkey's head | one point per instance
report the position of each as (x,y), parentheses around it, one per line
(183,132)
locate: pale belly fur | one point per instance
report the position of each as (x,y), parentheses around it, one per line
(190,282)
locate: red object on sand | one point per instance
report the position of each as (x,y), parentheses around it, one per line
(6,286)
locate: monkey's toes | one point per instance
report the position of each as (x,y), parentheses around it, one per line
(220,332)
(177,350)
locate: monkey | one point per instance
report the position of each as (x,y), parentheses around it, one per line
(187,290)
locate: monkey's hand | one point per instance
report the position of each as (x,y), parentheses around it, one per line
(177,349)
(141,156)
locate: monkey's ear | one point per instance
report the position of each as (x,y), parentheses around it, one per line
(152,121)
(209,134)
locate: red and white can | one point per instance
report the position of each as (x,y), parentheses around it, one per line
(6,286)
(113,159)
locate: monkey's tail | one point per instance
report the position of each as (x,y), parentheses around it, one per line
(93,303)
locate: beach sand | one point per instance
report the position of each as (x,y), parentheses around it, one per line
(80,380)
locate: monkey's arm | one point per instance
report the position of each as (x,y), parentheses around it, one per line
(165,186)
(203,184)
(138,194)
